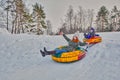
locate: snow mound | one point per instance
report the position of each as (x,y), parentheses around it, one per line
(4,31)
(20,59)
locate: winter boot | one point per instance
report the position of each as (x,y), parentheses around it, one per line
(42,53)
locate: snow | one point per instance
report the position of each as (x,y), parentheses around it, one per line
(4,31)
(20,59)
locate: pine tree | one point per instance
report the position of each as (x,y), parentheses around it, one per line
(19,19)
(28,22)
(115,18)
(39,16)
(102,18)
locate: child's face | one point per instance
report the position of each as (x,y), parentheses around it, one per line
(74,37)
(91,30)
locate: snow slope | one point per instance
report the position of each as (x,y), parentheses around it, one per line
(20,59)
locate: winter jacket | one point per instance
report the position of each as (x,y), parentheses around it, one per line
(72,45)
(91,33)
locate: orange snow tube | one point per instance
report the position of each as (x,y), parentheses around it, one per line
(69,56)
(93,40)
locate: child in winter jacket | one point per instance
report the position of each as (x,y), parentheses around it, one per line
(72,45)
(91,33)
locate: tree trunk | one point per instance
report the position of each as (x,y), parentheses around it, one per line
(21,23)
(12,27)
(15,31)
(38,26)
(7,19)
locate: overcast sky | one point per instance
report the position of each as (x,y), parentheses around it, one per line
(56,9)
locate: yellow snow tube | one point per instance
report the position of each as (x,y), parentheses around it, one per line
(93,40)
(69,56)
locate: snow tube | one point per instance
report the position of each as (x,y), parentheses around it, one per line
(93,40)
(69,56)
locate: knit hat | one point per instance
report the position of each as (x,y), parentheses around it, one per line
(75,37)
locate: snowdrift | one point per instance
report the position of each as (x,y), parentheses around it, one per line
(20,59)
(4,31)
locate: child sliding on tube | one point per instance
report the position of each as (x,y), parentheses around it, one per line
(91,33)
(72,45)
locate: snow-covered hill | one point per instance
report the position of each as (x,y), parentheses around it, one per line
(4,31)
(20,59)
